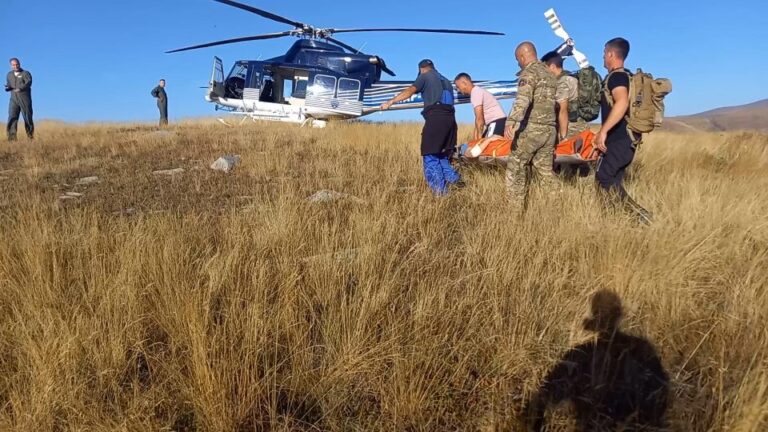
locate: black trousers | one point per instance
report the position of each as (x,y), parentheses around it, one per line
(438,137)
(613,165)
(163,107)
(20,105)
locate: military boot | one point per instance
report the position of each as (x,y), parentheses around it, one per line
(641,214)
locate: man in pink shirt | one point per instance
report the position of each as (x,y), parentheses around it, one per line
(490,119)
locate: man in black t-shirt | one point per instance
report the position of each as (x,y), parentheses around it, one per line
(615,141)
(438,138)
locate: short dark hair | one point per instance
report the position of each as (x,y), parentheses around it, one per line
(426,63)
(14,59)
(553,58)
(463,75)
(620,46)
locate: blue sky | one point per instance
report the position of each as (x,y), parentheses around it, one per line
(97,60)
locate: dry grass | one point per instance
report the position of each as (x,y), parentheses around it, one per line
(219,302)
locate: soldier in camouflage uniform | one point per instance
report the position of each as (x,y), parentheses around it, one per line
(569,123)
(531,123)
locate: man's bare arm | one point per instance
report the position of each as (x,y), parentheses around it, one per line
(479,122)
(618,111)
(562,119)
(620,97)
(404,95)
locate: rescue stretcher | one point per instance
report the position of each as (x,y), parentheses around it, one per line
(576,150)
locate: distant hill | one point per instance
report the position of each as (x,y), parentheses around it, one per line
(753,116)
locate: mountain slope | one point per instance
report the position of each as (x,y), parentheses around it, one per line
(753,116)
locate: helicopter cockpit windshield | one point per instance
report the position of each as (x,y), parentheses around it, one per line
(235,82)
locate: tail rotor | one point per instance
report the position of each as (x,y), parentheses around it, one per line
(568,48)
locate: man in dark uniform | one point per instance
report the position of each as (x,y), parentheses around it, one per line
(19,84)
(438,138)
(615,141)
(162,102)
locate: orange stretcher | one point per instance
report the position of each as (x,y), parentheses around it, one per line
(575,150)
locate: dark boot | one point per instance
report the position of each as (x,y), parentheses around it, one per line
(643,216)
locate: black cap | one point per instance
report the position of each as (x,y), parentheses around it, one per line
(426,63)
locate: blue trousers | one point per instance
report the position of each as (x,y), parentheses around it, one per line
(439,173)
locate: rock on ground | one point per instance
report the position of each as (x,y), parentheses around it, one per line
(226,163)
(169,172)
(88,181)
(325,196)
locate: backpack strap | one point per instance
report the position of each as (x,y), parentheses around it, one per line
(609,99)
(606,91)
(447,94)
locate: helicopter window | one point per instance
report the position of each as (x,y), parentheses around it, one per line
(300,88)
(287,89)
(255,80)
(239,70)
(218,71)
(324,86)
(349,89)
(267,90)
(235,82)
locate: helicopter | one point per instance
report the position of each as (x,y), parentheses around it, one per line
(321,78)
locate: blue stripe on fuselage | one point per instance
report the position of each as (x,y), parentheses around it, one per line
(383,91)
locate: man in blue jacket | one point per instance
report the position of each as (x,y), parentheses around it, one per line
(438,138)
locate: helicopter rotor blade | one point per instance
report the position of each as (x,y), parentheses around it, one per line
(416,30)
(580,58)
(262,13)
(231,41)
(342,44)
(568,48)
(557,27)
(384,67)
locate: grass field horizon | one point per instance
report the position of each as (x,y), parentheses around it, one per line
(205,301)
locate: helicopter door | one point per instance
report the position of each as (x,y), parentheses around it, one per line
(348,96)
(339,95)
(216,86)
(252,90)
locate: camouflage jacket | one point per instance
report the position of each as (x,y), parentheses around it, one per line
(535,101)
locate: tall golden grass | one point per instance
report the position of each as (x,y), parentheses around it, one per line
(215,302)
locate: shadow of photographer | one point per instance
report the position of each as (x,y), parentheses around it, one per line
(615,382)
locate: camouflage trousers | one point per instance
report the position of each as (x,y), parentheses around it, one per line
(577,127)
(533,156)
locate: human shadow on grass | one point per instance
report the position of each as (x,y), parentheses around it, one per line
(615,383)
